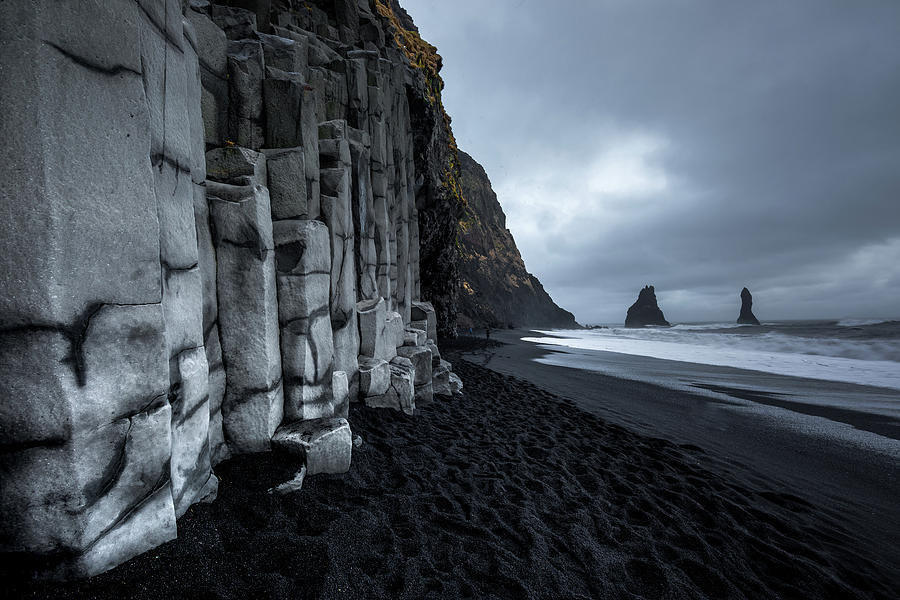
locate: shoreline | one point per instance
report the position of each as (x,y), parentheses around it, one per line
(509,491)
(855,477)
(720,382)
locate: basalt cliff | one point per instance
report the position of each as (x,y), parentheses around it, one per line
(221,224)
(497,290)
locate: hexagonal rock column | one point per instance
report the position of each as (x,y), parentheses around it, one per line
(334,158)
(380,217)
(401,217)
(420,357)
(237,166)
(382,243)
(374,340)
(283,53)
(340,388)
(212,48)
(208,126)
(85,424)
(374,376)
(440,379)
(192,479)
(248,314)
(292,194)
(394,329)
(424,312)
(171,79)
(206,261)
(363,215)
(414,260)
(303,265)
(414,337)
(246,71)
(400,394)
(326,445)
(290,110)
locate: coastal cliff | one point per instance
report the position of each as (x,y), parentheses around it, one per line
(221,225)
(497,290)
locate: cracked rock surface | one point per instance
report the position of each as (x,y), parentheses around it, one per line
(217,221)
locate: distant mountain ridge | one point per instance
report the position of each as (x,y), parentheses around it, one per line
(497,290)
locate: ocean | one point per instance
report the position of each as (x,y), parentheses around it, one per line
(845,370)
(863,352)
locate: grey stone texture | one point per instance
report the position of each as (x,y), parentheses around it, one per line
(340,390)
(303,263)
(334,158)
(326,445)
(246,72)
(237,23)
(248,314)
(394,330)
(424,311)
(416,336)
(420,357)
(237,166)
(292,485)
(290,195)
(456,384)
(376,339)
(440,379)
(374,376)
(290,109)
(173,294)
(212,50)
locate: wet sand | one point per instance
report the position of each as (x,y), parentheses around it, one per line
(507,492)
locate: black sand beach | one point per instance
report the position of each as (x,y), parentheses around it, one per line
(854,477)
(507,492)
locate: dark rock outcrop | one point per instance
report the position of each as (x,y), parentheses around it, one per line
(497,291)
(747,317)
(645,311)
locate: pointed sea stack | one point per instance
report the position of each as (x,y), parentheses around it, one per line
(645,311)
(747,317)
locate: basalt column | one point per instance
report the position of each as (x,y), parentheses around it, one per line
(210,245)
(102,337)
(337,212)
(248,310)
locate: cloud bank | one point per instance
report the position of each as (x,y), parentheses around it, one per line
(695,146)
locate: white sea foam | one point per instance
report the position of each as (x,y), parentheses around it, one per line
(867,362)
(861,322)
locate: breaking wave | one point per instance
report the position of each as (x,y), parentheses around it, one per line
(865,353)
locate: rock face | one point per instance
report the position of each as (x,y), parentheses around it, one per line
(645,311)
(747,317)
(496,291)
(219,224)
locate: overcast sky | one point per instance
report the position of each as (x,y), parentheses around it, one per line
(696,146)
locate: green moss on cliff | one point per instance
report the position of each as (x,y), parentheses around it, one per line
(425,57)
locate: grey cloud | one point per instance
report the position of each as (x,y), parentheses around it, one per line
(781,151)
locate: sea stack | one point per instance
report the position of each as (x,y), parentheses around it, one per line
(645,311)
(747,317)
